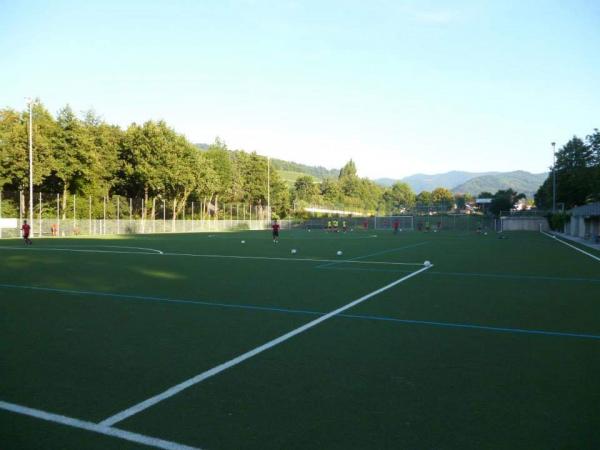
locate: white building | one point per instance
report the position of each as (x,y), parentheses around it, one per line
(585,222)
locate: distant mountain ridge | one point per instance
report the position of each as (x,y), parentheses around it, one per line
(519,180)
(460,182)
(473,183)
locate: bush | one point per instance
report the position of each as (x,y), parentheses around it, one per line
(558,221)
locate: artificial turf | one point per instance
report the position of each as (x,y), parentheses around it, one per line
(495,346)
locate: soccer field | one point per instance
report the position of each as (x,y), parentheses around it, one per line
(202,341)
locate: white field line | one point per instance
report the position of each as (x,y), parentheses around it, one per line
(94,427)
(275,258)
(572,246)
(135,409)
(194,255)
(78,250)
(160,252)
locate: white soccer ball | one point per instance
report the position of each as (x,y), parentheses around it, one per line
(339,253)
(485,234)
(309,230)
(427,263)
(243,242)
(293,251)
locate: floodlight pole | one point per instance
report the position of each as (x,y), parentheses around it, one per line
(30,101)
(269,186)
(553,177)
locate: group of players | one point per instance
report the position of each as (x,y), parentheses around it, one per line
(333,226)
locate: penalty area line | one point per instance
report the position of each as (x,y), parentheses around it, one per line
(135,409)
(94,427)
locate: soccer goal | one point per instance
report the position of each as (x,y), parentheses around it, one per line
(405,223)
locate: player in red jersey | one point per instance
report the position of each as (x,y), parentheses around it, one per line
(26,229)
(275,227)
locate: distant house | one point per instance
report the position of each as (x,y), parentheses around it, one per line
(585,222)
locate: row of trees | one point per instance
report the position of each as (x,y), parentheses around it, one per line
(577,174)
(85,156)
(88,157)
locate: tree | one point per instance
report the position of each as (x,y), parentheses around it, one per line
(305,189)
(504,200)
(577,175)
(331,191)
(73,155)
(424,198)
(14,146)
(399,197)
(442,197)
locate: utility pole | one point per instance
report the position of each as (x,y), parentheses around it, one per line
(31,165)
(269,187)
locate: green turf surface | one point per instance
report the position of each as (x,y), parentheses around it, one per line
(496,346)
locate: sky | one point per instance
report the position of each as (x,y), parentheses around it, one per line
(400,87)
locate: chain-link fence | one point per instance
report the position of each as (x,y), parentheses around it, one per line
(72,215)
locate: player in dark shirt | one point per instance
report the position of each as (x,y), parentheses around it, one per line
(26,229)
(275,227)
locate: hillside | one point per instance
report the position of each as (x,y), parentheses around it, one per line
(291,171)
(425,182)
(520,181)
(318,172)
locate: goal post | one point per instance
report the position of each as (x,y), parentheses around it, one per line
(405,223)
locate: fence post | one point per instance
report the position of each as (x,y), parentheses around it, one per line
(192,217)
(118,215)
(58,214)
(104,220)
(90,214)
(0,213)
(154,214)
(74,212)
(40,216)
(164,217)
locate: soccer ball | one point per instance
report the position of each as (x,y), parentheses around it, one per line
(485,234)
(427,263)
(243,242)
(339,253)
(293,251)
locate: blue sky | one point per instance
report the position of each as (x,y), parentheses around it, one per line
(399,86)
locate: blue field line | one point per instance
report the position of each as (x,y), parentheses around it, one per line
(471,274)
(159,299)
(382,252)
(473,327)
(308,312)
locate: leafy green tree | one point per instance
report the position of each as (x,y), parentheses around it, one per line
(331,191)
(14,146)
(305,189)
(400,196)
(504,200)
(73,155)
(442,197)
(424,198)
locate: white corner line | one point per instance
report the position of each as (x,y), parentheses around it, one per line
(94,427)
(135,409)
(572,246)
